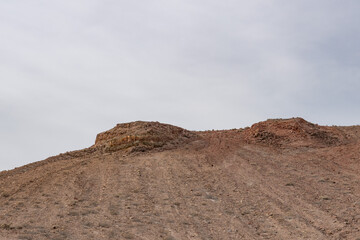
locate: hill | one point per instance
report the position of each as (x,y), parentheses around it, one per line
(278,179)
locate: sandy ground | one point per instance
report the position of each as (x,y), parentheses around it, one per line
(279,179)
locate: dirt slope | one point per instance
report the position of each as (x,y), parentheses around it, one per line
(279,179)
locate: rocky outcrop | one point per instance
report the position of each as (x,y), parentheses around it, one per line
(295,132)
(142,136)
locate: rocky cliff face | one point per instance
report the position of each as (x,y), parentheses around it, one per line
(279,179)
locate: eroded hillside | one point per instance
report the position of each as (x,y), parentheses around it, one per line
(279,179)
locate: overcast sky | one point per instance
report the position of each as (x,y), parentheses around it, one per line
(71,69)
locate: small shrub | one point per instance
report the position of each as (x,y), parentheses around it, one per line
(72,213)
(5,195)
(6,226)
(104,225)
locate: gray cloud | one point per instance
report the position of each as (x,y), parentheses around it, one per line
(71,69)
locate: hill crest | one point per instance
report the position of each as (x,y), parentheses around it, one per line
(278,179)
(141,136)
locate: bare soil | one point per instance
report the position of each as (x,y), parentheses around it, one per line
(279,179)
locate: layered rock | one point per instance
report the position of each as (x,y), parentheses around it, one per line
(142,136)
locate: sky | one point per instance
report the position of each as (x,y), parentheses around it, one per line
(72,69)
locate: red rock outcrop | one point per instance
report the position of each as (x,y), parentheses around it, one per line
(295,132)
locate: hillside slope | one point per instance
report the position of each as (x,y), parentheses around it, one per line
(279,179)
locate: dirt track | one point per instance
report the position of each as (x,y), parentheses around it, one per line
(280,179)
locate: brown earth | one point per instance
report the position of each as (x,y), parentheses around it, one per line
(279,179)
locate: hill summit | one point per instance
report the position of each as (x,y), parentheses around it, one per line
(142,136)
(278,179)
(295,132)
